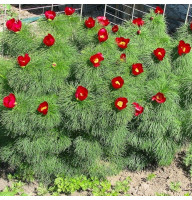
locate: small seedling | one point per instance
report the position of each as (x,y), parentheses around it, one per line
(161,194)
(150,177)
(175,186)
(41,190)
(15,189)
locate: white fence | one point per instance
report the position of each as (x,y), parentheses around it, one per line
(129,9)
(117,13)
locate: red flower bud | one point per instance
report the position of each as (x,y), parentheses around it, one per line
(151,18)
(158,10)
(49,40)
(138,32)
(123,57)
(90,22)
(115,28)
(14,25)
(159,53)
(159,98)
(81,93)
(183,48)
(54,65)
(69,10)
(96,59)
(138,109)
(23,60)
(138,21)
(121,103)
(122,42)
(137,69)
(102,35)
(50,15)
(43,108)
(103,20)
(9,101)
(117,82)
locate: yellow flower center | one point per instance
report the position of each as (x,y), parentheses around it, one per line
(96,60)
(184,49)
(117,82)
(122,43)
(101,36)
(137,70)
(43,108)
(159,53)
(158,97)
(81,94)
(120,103)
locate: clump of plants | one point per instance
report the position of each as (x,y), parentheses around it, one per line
(92,185)
(85,97)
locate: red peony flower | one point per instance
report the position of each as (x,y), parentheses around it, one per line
(96,59)
(117,82)
(159,53)
(90,22)
(43,108)
(102,35)
(49,40)
(138,21)
(81,93)
(69,10)
(159,98)
(123,57)
(9,101)
(137,69)
(115,28)
(183,48)
(158,10)
(138,109)
(121,103)
(103,20)
(122,42)
(14,25)
(23,60)
(50,15)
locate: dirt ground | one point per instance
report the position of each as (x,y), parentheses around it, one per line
(139,186)
(176,172)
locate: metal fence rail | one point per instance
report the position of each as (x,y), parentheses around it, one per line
(118,12)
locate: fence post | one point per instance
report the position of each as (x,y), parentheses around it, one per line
(187,14)
(19,11)
(133,12)
(105,10)
(81,14)
(164,10)
(4,22)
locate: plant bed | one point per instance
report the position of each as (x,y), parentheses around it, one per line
(81,97)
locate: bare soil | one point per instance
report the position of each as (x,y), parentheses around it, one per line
(139,186)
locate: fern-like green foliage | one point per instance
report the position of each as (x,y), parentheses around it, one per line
(188,159)
(89,137)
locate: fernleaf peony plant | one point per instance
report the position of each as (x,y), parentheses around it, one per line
(91,98)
